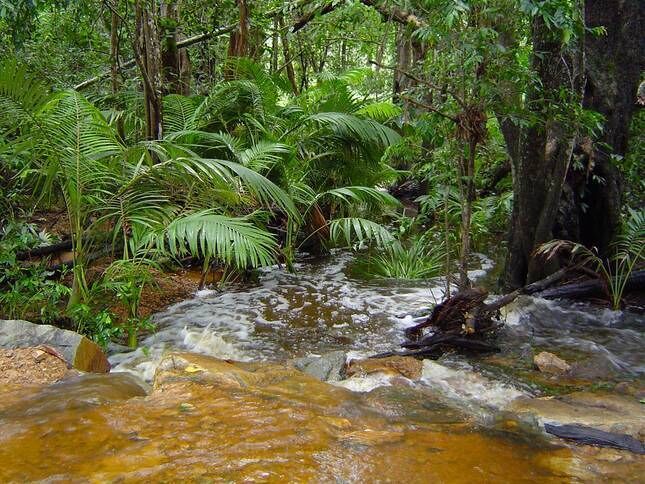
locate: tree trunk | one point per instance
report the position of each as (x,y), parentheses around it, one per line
(238,45)
(114,48)
(614,63)
(176,65)
(544,152)
(148,56)
(408,53)
(467,188)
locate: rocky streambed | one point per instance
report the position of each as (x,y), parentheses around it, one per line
(272,383)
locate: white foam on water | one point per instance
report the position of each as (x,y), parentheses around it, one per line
(364,383)
(464,386)
(318,309)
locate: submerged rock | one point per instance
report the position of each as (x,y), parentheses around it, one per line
(550,363)
(607,412)
(596,367)
(78,351)
(328,367)
(405,366)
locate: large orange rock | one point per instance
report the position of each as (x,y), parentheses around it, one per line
(78,351)
(392,365)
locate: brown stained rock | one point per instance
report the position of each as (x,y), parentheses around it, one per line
(550,363)
(24,366)
(405,366)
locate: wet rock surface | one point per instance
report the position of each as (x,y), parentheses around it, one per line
(78,351)
(210,419)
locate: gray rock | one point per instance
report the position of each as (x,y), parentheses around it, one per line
(78,351)
(328,367)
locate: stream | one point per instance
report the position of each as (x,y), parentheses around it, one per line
(462,420)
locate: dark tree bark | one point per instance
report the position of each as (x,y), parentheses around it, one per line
(544,152)
(614,63)
(114,48)
(176,64)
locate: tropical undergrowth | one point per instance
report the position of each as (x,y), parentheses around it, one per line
(241,178)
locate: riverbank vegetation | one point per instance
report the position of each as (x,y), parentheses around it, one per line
(138,137)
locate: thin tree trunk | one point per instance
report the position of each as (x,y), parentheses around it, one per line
(114,48)
(114,60)
(148,57)
(274,46)
(291,75)
(304,80)
(468,197)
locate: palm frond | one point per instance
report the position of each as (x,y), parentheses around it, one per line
(348,126)
(21,95)
(262,155)
(179,113)
(234,241)
(366,195)
(380,111)
(264,189)
(351,230)
(632,239)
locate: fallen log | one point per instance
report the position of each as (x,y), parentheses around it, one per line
(465,322)
(592,288)
(590,436)
(45,250)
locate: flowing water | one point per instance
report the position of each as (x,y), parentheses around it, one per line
(211,420)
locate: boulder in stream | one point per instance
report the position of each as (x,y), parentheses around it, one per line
(328,367)
(405,366)
(78,351)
